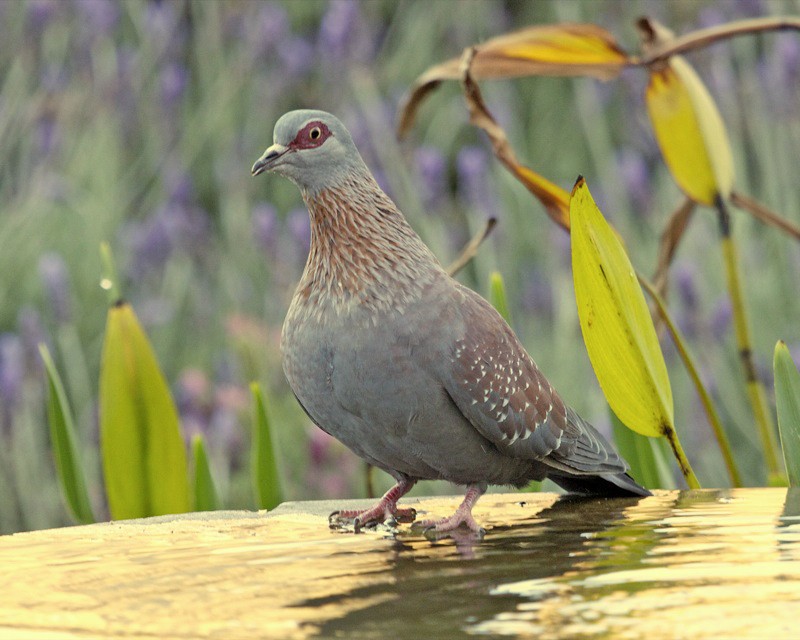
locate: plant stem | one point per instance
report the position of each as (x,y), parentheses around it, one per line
(755,390)
(705,398)
(109,281)
(683,462)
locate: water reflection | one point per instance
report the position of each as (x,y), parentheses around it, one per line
(695,564)
(689,564)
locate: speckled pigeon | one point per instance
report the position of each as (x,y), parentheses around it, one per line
(414,372)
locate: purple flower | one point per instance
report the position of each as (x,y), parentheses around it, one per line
(687,293)
(12,375)
(432,171)
(635,176)
(265,225)
(267,31)
(41,12)
(300,229)
(472,166)
(721,318)
(174,78)
(178,224)
(32,334)
(99,16)
(55,278)
(48,135)
(343,33)
(684,279)
(297,56)
(537,295)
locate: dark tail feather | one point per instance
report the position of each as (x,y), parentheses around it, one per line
(607,484)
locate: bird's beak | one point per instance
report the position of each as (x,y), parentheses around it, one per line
(269,159)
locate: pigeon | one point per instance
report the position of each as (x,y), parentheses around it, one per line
(414,372)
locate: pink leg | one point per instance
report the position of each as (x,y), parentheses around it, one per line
(463,514)
(385,510)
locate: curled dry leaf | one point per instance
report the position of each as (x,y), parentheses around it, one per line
(555,50)
(670,239)
(658,50)
(554,198)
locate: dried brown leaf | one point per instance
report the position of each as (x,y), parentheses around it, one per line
(658,43)
(554,198)
(766,215)
(566,49)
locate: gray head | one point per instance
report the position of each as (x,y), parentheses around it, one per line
(311,148)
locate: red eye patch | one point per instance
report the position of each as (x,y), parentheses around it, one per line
(311,136)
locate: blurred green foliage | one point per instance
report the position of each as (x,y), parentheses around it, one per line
(136,123)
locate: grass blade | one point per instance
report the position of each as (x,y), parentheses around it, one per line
(64,442)
(787,399)
(265,466)
(206,497)
(497,295)
(648,457)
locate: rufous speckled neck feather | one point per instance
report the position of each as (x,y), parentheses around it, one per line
(414,372)
(363,252)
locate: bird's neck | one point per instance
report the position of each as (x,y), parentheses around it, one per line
(363,254)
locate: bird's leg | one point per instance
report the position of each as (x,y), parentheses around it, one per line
(385,510)
(463,514)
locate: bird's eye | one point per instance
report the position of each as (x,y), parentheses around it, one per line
(315,133)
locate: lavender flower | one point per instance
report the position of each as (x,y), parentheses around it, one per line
(635,176)
(48,135)
(472,166)
(267,31)
(178,224)
(41,12)
(687,292)
(297,56)
(265,226)
(431,170)
(300,229)
(344,34)
(12,375)
(32,334)
(98,16)
(721,318)
(174,79)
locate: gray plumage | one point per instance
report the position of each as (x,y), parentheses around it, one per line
(414,372)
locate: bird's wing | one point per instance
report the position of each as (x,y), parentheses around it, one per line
(500,390)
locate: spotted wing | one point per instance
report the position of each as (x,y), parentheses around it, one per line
(500,390)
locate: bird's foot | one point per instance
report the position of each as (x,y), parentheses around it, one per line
(387,513)
(462,516)
(452,523)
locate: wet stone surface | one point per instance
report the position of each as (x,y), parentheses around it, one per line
(693,564)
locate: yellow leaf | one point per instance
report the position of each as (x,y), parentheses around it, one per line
(616,324)
(690,131)
(144,459)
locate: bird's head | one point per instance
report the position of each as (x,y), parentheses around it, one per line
(311,148)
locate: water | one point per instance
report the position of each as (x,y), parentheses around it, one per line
(698,564)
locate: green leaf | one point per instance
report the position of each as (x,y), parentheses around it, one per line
(497,295)
(616,323)
(64,442)
(787,399)
(648,457)
(205,490)
(265,467)
(144,459)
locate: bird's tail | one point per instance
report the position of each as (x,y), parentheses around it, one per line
(605,484)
